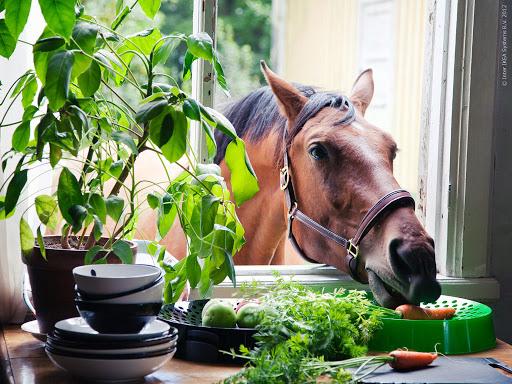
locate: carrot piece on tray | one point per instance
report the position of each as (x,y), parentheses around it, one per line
(406,360)
(413,312)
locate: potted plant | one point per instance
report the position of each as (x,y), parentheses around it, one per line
(76,120)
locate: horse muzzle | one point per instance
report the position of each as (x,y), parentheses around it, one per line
(408,277)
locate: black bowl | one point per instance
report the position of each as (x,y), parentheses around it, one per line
(117,318)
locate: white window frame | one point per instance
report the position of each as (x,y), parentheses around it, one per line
(456,148)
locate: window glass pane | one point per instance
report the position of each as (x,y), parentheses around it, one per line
(243,39)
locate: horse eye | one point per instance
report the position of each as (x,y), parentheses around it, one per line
(317,152)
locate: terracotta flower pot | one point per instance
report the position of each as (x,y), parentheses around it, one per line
(52,281)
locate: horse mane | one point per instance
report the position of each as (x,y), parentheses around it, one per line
(257,114)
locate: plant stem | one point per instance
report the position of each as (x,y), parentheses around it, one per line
(118,96)
(64,240)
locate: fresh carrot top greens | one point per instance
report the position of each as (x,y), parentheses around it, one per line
(304,332)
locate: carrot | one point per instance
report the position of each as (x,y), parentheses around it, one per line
(405,360)
(412,312)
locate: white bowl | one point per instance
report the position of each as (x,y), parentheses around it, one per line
(119,352)
(77,327)
(109,369)
(108,279)
(153,294)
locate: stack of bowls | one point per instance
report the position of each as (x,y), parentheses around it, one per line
(118,336)
(118,298)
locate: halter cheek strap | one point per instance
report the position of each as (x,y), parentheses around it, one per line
(394,198)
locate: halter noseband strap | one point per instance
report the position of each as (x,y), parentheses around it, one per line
(351,245)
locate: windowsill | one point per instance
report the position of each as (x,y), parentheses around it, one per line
(484,289)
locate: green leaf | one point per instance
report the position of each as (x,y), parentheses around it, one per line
(29,112)
(90,80)
(120,17)
(165,215)
(122,250)
(143,42)
(220,121)
(55,155)
(47,210)
(29,92)
(193,270)
(91,254)
(48,44)
(16,15)
(211,143)
(191,109)
(126,139)
(21,83)
(150,110)
(81,62)
(58,76)
(164,50)
(187,65)
(97,229)
(40,242)
(169,132)
(99,206)
(200,45)
(68,194)
(21,136)
(26,238)
(207,213)
(243,178)
(7,42)
(221,79)
(84,36)
(41,65)
(59,15)
(116,168)
(153,200)
(78,214)
(115,206)
(152,248)
(150,7)
(154,96)
(161,129)
(14,190)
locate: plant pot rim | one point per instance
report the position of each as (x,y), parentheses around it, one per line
(36,245)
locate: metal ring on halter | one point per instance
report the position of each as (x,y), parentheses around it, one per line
(284,178)
(352,249)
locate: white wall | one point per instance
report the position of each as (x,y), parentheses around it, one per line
(12,308)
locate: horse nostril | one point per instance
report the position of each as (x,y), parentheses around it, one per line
(414,265)
(423,289)
(397,260)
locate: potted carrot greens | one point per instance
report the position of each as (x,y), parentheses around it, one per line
(76,120)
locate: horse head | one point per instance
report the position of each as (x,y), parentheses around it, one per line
(339,169)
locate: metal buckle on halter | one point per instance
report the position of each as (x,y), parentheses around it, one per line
(352,249)
(284,178)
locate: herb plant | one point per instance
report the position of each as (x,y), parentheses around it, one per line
(301,331)
(76,120)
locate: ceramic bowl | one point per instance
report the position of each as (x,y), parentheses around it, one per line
(70,342)
(77,329)
(110,367)
(151,294)
(117,318)
(113,351)
(111,279)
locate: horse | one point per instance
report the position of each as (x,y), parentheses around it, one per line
(340,167)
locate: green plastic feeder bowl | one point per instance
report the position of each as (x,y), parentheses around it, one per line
(470,330)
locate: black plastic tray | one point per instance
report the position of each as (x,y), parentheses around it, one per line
(200,343)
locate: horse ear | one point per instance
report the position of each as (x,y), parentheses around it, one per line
(362,91)
(289,98)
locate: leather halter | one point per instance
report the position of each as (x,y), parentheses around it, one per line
(396,198)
